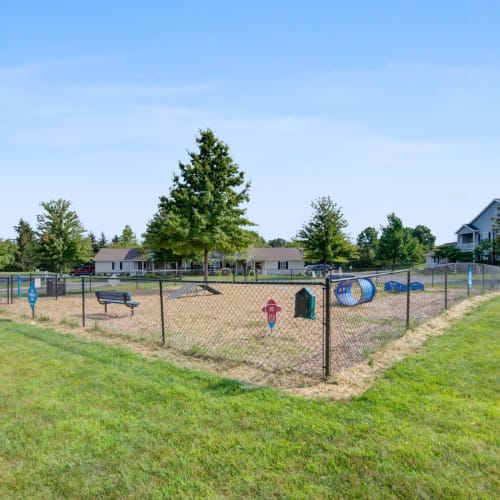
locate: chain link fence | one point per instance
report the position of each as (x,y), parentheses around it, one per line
(402,300)
(313,328)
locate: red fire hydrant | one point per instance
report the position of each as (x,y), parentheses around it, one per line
(271,309)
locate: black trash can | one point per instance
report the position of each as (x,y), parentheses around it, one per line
(56,287)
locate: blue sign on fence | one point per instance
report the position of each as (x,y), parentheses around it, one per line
(32,296)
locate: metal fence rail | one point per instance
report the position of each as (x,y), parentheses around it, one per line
(233,321)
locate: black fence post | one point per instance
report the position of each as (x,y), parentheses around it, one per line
(326,343)
(162,314)
(408,283)
(83,300)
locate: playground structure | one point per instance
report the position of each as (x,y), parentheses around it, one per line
(365,291)
(395,286)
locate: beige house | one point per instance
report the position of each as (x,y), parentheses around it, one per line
(270,261)
(276,260)
(122,261)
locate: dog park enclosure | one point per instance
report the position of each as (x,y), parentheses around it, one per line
(226,321)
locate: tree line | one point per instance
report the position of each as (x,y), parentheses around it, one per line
(58,241)
(204,212)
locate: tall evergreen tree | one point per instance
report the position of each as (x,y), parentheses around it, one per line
(102,241)
(26,243)
(94,242)
(61,239)
(128,238)
(323,237)
(203,211)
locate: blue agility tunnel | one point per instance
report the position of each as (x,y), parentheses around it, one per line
(395,286)
(364,290)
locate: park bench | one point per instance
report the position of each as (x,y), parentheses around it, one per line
(106,297)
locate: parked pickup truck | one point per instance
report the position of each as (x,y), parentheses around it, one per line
(85,270)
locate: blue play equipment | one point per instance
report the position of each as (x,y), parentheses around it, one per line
(395,286)
(344,295)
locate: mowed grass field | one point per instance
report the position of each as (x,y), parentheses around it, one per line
(83,420)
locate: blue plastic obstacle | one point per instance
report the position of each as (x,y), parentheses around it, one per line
(344,295)
(395,286)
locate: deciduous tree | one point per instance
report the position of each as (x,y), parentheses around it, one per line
(277,242)
(367,242)
(397,244)
(7,255)
(449,252)
(424,236)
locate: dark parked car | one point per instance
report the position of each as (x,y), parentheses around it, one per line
(324,268)
(84,270)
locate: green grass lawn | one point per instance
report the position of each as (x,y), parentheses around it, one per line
(82,420)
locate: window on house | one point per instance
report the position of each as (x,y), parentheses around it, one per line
(283,264)
(112,266)
(121,266)
(467,238)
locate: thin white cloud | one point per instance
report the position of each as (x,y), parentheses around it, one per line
(37,68)
(134,90)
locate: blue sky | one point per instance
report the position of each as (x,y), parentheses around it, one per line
(383,106)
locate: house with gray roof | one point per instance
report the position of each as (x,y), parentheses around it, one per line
(271,261)
(264,260)
(276,260)
(483,227)
(122,261)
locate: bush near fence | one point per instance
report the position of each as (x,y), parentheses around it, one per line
(231,326)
